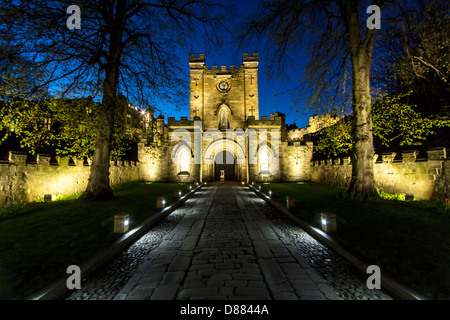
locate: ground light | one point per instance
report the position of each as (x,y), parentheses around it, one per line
(328,221)
(49,197)
(290,202)
(160,202)
(121,223)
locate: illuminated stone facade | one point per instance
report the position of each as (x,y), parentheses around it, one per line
(225,133)
(319,122)
(224,138)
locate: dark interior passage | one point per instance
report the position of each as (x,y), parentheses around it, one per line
(224,161)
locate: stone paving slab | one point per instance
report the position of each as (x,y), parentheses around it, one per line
(225,248)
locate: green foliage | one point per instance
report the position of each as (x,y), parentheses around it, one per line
(334,140)
(394,123)
(25,120)
(67,125)
(397,122)
(391,196)
(76,134)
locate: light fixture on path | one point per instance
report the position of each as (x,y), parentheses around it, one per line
(160,202)
(121,223)
(328,221)
(290,202)
(49,197)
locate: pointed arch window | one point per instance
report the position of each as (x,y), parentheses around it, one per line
(223,119)
(264,161)
(185,160)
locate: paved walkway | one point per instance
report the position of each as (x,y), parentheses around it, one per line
(225,248)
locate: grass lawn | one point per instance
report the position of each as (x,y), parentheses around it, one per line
(39,240)
(408,240)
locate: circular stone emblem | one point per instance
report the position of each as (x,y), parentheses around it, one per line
(224,86)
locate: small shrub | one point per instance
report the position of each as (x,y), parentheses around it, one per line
(391,196)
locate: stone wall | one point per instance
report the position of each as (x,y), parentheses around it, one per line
(295,161)
(425,178)
(154,162)
(21,181)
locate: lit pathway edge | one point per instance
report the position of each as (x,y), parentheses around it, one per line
(57,289)
(225,248)
(398,290)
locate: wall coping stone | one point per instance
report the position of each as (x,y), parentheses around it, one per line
(437,153)
(43,159)
(407,156)
(17,157)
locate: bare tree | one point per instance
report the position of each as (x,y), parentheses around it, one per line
(123,46)
(339,45)
(416,52)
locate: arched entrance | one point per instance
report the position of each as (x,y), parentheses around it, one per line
(224,154)
(224,161)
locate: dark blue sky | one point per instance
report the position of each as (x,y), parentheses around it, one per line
(271,97)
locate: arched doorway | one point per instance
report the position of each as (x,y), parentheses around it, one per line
(224,160)
(224,154)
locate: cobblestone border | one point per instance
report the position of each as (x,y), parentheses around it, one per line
(58,289)
(398,290)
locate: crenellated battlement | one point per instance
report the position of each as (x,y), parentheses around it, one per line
(183,122)
(25,179)
(196,58)
(277,121)
(425,177)
(198,62)
(214,69)
(247,57)
(408,156)
(22,159)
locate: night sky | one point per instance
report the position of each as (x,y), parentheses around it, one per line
(271,97)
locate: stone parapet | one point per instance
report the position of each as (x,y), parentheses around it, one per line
(18,158)
(183,122)
(437,153)
(24,182)
(277,121)
(425,178)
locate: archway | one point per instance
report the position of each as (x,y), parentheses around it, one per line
(225,161)
(234,158)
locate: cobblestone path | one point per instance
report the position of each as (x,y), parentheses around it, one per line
(223,246)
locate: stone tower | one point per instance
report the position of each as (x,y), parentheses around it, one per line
(223,98)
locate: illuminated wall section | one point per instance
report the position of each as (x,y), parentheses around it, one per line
(425,178)
(22,181)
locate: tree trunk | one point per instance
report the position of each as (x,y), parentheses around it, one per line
(98,185)
(363,182)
